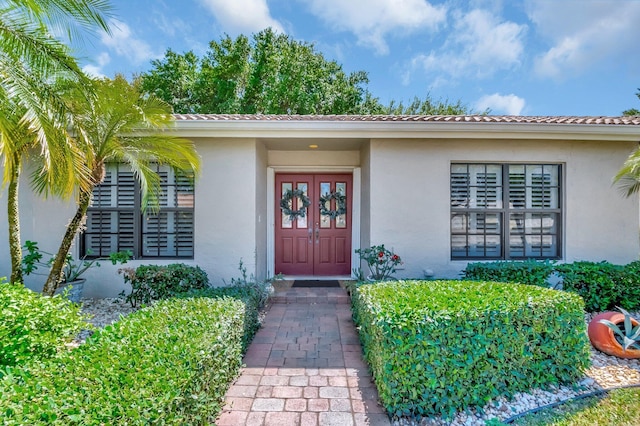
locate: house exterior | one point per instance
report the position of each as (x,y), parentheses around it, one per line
(440,191)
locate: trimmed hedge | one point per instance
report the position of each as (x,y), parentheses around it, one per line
(167,364)
(524,272)
(33,326)
(253,302)
(437,347)
(602,285)
(159,282)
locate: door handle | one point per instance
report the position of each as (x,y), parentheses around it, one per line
(317,233)
(310,235)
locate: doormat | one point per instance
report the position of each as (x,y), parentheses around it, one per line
(315,283)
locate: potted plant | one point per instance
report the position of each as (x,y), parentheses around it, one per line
(616,333)
(72,283)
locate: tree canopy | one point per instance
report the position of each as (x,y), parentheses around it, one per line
(270,73)
(633,111)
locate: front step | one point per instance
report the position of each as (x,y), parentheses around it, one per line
(310,295)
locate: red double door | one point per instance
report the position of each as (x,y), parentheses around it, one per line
(318,242)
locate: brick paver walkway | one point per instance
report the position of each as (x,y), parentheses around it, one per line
(305,367)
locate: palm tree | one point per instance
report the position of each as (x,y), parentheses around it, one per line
(628,177)
(33,115)
(115,122)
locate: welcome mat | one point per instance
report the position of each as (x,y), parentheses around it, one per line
(315,283)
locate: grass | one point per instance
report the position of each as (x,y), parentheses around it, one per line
(620,407)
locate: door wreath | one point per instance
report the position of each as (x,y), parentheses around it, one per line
(341,204)
(286,203)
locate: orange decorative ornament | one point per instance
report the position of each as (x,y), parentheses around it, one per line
(603,338)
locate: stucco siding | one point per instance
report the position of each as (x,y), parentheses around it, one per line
(225,217)
(410,205)
(261,211)
(365,196)
(314,158)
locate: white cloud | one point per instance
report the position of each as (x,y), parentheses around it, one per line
(170,26)
(479,45)
(124,43)
(504,104)
(242,16)
(598,33)
(95,69)
(373,20)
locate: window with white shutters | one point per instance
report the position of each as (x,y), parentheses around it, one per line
(505,211)
(115,220)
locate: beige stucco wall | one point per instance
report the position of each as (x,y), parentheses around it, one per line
(409,209)
(404,203)
(261,211)
(225,219)
(365,194)
(312,158)
(226,228)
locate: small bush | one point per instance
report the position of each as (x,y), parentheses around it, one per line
(524,272)
(167,364)
(599,284)
(247,296)
(159,282)
(252,292)
(630,287)
(34,326)
(436,347)
(602,285)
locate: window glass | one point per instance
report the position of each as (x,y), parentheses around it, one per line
(115,220)
(286,219)
(528,200)
(341,220)
(302,221)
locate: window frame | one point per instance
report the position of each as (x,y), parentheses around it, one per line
(138,225)
(505,212)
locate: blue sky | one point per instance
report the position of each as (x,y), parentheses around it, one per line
(529,57)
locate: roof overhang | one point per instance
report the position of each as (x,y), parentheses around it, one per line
(314,128)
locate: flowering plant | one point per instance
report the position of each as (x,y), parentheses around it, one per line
(381,262)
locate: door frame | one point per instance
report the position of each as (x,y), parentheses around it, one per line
(271,205)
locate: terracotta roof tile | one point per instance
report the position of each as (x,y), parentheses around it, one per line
(626,120)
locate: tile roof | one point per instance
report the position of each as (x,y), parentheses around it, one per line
(625,120)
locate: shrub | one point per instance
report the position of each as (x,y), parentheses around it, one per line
(436,347)
(249,299)
(252,292)
(34,326)
(630,287)
(599,284)
(524,272)
(159,282)
(166,364)
(602,285)
(382,262)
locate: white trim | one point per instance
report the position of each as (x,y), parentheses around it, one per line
(304,129)
(355,208)
(271,225)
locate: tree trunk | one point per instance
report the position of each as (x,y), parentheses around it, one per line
(15,246)
(55,274)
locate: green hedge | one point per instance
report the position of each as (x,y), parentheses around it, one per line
(436,347)
(167,364)
(33,326)
(602,285)
(253,302)
(159,282)
(523,272)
